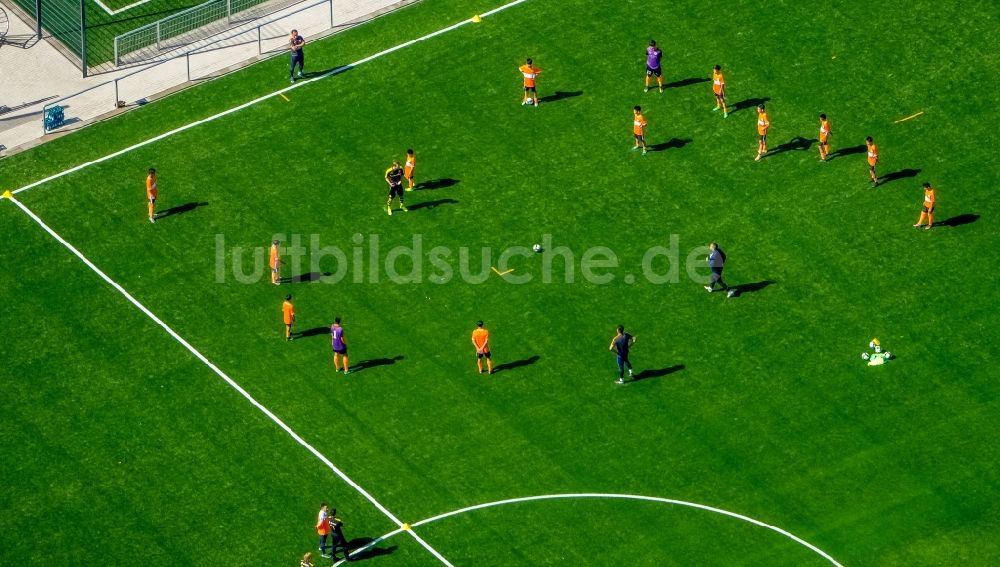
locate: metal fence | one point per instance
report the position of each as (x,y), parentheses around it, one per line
(65,20)
(176,30)
(212,58)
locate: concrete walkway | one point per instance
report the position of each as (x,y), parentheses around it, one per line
(33,73)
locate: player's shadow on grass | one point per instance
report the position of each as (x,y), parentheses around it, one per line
(958,221)
(845,152)
(686,82)
(306,278)
(748,103)
(559,95)
(312,332)
(364,548)
(797,143)
(432,204)
(901,174)
(740,289)
(672,143)
(375,363)
(515,364)
(179,210)
(658,373)
(314,74)
(442,183)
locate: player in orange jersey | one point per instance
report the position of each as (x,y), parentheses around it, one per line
(151,194)
(481,340)
(288,315)
(530,73)
(928,211)
(719,88)
(762,126)
(872,160)
(411,162)
(639,129)
(824,137)
(274,261)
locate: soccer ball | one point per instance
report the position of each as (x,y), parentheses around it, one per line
(887,355)
(864,356)
(529,101)
(537,248)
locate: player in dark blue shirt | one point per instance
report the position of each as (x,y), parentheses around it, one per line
(621,345)
(716,261)
(295,44)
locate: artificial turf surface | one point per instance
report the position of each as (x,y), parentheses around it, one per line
(757,404)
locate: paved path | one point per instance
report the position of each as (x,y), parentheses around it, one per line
(34,73)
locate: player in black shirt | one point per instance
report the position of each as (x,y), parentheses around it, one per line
(394,177)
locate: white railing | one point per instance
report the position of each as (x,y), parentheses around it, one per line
(263,40)
(157,35)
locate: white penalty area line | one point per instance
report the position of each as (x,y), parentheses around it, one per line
(260,99)
(111,12)
(593,495)
(228,380)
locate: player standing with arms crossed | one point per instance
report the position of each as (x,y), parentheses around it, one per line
(530,73)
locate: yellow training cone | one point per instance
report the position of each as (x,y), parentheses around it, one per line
(406,527)
(476,19)
(7,194)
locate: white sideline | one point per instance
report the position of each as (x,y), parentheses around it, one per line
(787,534)
(228,380)
(188,126)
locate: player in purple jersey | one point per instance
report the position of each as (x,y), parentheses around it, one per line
(339,344)
(653,56)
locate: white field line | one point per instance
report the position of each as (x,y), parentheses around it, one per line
(227,379)
(111,12)
(787,534)
(298,84)
(180,339)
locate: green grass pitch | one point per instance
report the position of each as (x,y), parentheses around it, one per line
(119,446)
